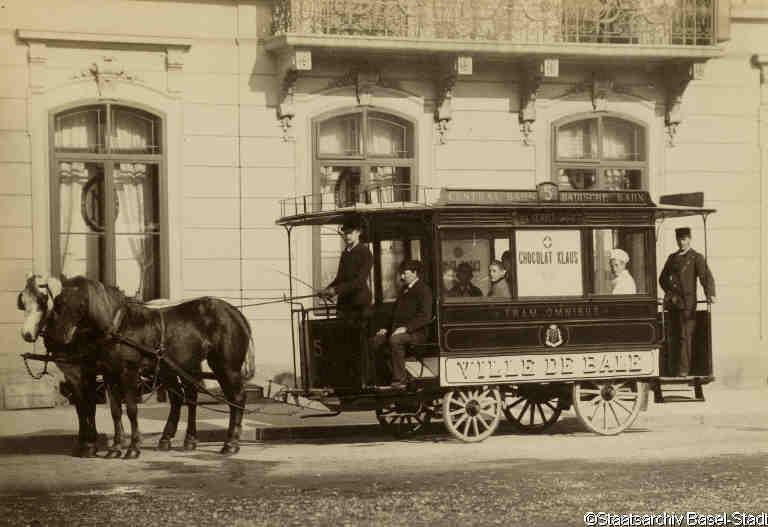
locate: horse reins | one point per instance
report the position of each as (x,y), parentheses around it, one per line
(159,355)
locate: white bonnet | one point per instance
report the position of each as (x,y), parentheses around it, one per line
(618,254)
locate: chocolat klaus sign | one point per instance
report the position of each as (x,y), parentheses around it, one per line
(548,262)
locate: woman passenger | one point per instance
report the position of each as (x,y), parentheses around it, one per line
(499,286)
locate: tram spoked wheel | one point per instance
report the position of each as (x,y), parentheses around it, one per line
(609,407)
(472,414)
(533,409)
(402,421)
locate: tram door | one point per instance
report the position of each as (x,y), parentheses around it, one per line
(701,352)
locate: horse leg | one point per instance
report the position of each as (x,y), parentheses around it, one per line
(190,440)
(232,385)
(172,423)
(86,433)
(130,381)
(114,396)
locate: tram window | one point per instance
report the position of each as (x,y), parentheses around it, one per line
(467,257)
(548,262)
(621,277)
(391,255)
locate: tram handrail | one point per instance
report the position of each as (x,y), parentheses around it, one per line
(367,197)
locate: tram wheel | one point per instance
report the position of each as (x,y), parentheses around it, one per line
(532,409)
(609,407)
(402,422)
(472,414)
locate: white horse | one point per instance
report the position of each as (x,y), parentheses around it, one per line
(77,360)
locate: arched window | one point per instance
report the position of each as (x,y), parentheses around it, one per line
(102,151)
(361,156)
(600,152)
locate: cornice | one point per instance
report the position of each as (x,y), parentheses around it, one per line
(29,35)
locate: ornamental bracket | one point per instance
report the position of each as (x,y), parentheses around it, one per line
(676,78)
(446,77)
(290,66)
(532,74)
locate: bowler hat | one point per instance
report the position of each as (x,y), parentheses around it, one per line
(352,224)
(683,232)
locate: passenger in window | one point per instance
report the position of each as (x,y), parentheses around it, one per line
(622,282)
(465,287)
(499,287)
(449,280)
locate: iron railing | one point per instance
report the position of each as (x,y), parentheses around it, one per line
(372,197)
(639,22)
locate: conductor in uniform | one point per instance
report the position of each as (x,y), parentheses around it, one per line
(678,280)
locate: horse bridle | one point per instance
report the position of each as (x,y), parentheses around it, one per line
(48,310)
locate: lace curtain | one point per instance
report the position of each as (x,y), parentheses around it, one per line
(81,200)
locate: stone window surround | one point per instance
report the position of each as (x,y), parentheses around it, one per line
(45,99)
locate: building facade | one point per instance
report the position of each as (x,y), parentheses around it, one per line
(197,117)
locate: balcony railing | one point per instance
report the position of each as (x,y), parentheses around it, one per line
(639,22)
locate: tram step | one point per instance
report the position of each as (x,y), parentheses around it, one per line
(678,393)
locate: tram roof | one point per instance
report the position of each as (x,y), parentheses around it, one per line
(317,209)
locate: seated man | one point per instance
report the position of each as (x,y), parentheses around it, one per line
(449,280)
(465,287)
(411,315)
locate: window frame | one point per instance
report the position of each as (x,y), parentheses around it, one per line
(108,159)
(363,161)
(586,236)
(600,164)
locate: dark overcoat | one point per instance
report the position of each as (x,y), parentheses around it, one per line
(678,277)
(413,309)
(351,282)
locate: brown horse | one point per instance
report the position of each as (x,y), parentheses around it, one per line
(187,333)
(76,360)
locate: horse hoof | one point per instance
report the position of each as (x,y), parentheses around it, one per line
(88,451)
(132,453)
(164,445)
(230,448)
(190,444)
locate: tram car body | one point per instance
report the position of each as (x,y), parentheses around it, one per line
(560,332)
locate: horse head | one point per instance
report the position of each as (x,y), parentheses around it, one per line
(37,301)
(82,304)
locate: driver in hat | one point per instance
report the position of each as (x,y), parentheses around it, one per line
(351,282)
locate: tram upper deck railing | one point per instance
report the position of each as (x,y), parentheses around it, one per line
(393,197)
(383,196)
(526,22)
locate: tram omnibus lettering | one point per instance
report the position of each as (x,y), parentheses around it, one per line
(528,367)
(550,367)
(566,365)
(535,257)
(590,364)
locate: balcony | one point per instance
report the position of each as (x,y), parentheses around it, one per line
(586,28)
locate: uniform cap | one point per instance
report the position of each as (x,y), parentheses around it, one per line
(682,232)
(619,254)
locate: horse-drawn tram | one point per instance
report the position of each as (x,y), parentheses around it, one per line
(543,300)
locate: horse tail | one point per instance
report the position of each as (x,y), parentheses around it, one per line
(248,368)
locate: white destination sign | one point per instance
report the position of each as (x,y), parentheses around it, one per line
(511,368)
(548,262)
